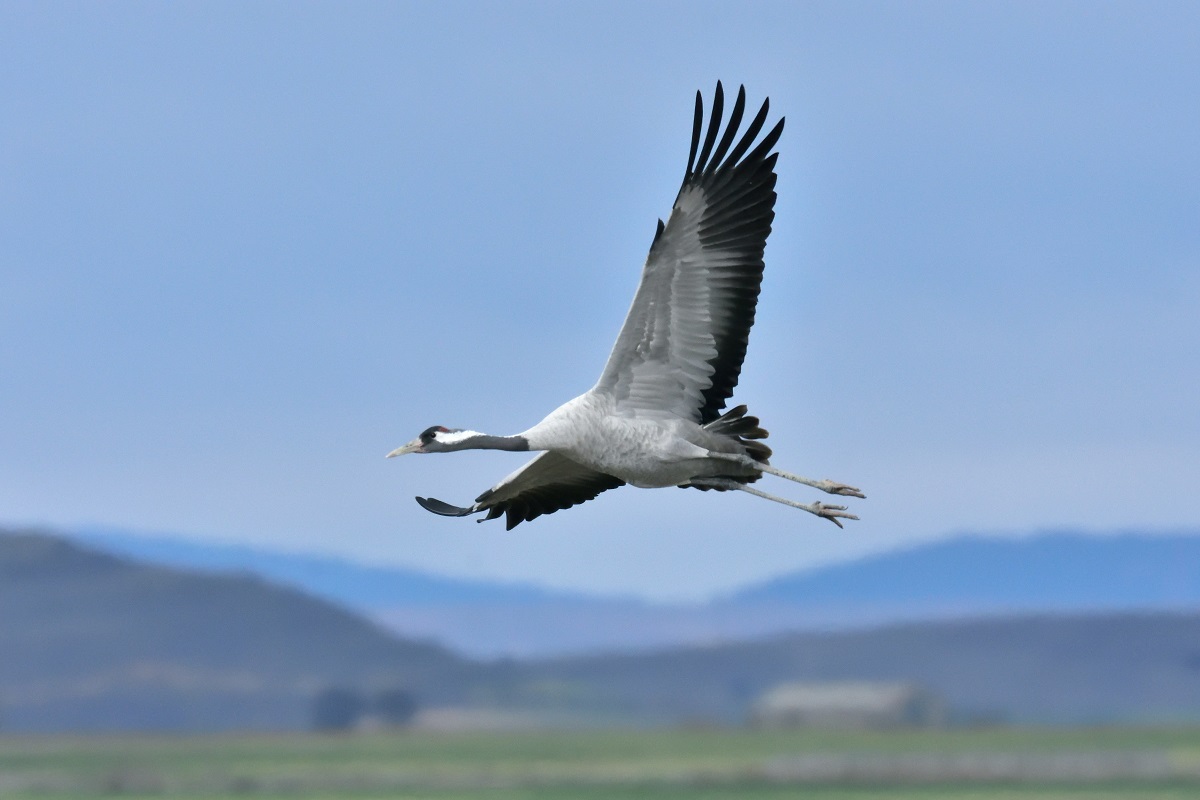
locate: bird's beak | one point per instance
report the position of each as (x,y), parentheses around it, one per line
(412,447)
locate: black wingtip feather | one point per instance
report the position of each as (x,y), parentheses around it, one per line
(731,129)
(751,132)
(443,509)
(697,124)
(714,125)
(769,141)
(516,514)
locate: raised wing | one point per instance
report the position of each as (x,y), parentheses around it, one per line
(680,351)
(548,483)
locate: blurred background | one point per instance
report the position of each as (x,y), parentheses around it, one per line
(248,249)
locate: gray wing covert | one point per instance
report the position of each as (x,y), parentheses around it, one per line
(681,348)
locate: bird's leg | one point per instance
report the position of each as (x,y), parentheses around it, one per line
(831,487)
(831,513)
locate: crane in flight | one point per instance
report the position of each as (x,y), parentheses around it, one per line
(654,418)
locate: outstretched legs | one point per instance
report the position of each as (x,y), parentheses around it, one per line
(831,513)
(826,485)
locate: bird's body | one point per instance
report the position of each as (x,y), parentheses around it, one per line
(645,452)
(654,419)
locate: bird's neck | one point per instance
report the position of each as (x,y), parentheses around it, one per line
(473,440)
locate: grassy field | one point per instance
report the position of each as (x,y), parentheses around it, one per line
(1129,764)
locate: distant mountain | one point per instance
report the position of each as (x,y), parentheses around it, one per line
(1052,572)
(1098,668)
(351,584)
(962,577)
(966,577)
(90,641)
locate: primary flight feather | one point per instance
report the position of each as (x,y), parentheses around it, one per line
(654,418)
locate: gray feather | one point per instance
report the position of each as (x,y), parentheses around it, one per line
(681,348)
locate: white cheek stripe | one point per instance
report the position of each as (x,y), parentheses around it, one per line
(455,437)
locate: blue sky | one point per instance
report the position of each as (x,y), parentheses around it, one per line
(248,249)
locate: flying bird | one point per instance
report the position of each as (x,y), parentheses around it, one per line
(655,416)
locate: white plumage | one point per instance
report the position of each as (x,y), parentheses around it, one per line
(654,418)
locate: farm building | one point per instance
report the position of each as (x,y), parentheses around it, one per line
(847,705)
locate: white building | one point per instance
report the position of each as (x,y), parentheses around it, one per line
(847,705)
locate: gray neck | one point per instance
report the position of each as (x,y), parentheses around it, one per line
(485,441)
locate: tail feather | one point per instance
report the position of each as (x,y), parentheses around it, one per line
(735,422)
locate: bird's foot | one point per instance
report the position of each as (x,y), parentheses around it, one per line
(832,513)
(833,487)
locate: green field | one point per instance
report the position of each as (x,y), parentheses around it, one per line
(1131,764)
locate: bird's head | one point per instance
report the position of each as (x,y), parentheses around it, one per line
(436,439)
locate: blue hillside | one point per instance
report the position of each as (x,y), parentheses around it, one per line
(345,582)
(1051,571)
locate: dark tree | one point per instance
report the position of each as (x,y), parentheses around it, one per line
(336,709)
(394,707)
